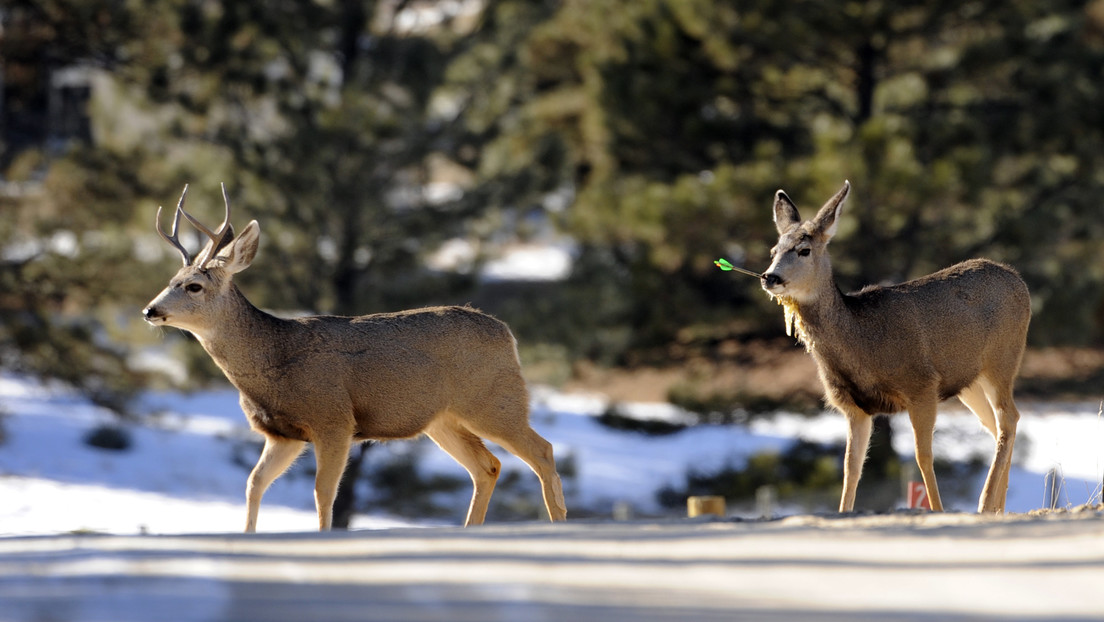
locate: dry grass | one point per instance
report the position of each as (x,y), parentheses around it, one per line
(758,369)
(781,371)
(1067,373)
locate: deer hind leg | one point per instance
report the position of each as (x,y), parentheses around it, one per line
(859,426)
(537,453)
(503,418)
(974,398)
(522,441)
(331,453)
(469,450)
(922,415)
(276,457)
(1006,418)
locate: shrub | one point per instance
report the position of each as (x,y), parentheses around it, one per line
(615,419)
(804,468)
(110,437)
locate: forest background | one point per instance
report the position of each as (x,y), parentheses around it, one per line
(645,137)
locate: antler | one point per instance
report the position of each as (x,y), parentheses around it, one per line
(173,239)
(220,238)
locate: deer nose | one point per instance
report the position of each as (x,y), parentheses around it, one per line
(150,313)
(771,280)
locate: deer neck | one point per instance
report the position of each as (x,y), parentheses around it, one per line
(821,320)
(245,340)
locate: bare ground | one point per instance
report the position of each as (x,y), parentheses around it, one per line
(901,566)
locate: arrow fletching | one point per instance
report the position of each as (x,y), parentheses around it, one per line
(727,266)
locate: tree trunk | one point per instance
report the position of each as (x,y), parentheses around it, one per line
(345,502)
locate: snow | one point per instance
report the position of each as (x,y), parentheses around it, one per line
(530,262)
(190,454)
(516,261)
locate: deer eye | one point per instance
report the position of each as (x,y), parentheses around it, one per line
(193,288)
(803,252)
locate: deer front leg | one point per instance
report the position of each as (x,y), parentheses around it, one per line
(276,457)
(922,416)
(859,425)
(331,453)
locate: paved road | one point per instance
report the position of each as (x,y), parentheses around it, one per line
(900,567)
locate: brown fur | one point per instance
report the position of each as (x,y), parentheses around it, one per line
(451,373)
(958,332)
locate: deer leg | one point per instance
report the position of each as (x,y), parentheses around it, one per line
(922,416)
(526,444)
(469,450)
(276,457)
(974,398)
(331,453)
(1007,417)
(859,426)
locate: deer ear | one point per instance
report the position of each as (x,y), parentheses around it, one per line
(240,253)
(827,219)
(785,212)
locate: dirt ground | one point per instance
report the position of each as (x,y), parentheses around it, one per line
(913,567)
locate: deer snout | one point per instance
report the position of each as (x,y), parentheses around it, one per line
(152,314)
(771,280)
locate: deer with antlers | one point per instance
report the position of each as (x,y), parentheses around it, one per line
(958,332)
(451,373)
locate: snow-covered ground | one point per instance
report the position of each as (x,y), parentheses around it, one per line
(185,470)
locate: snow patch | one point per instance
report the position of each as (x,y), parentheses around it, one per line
(191,453)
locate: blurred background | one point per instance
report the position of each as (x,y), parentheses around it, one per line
(572,166)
